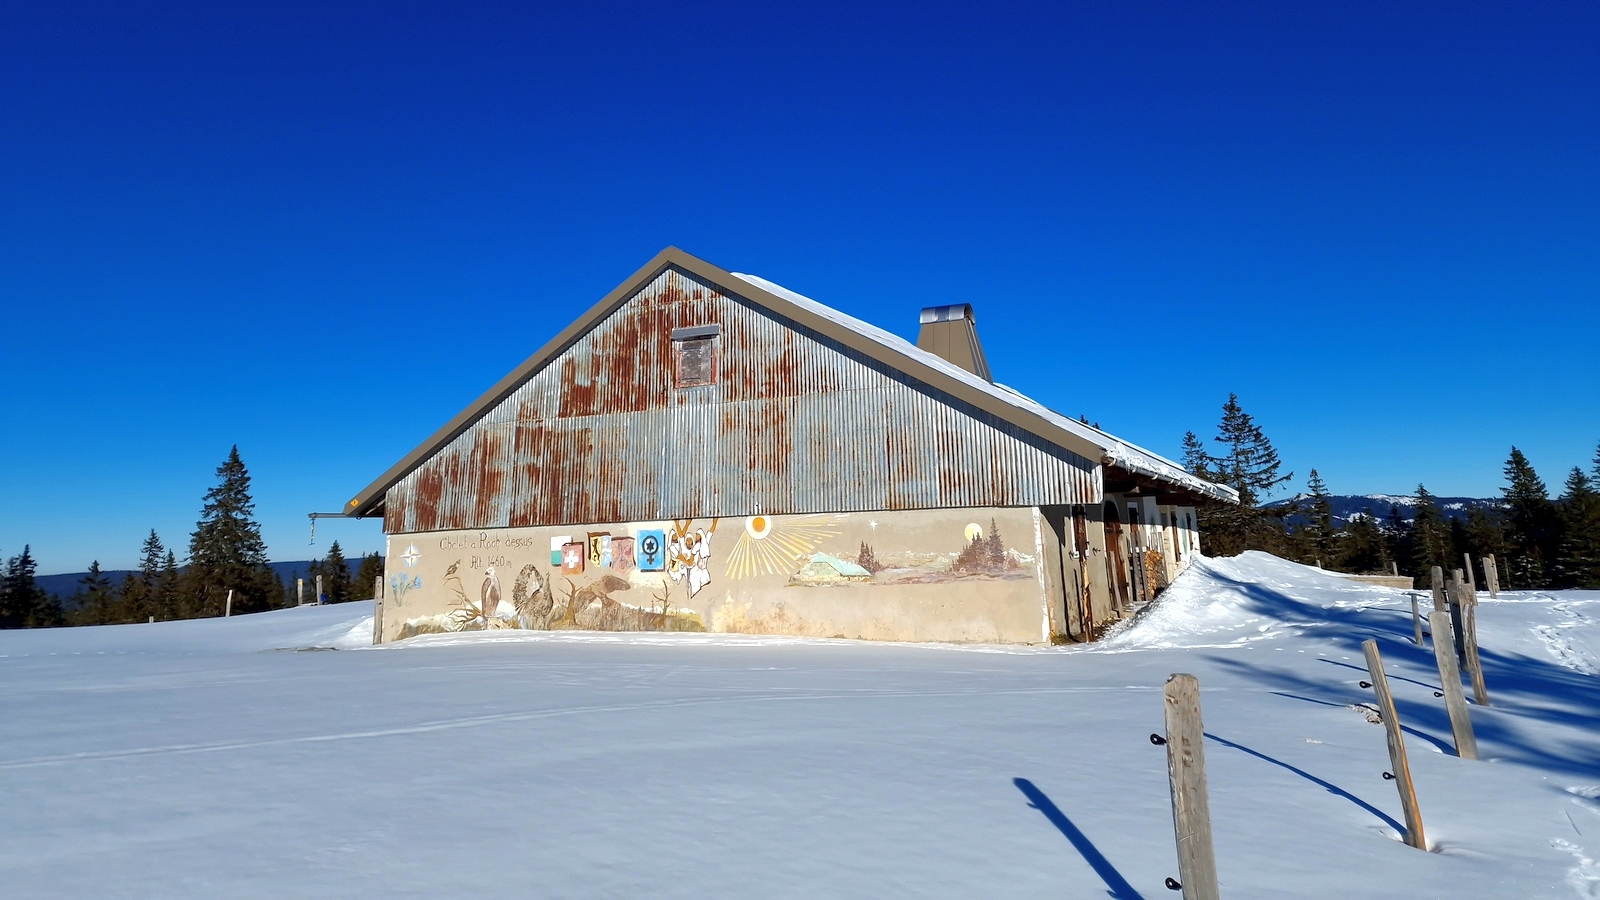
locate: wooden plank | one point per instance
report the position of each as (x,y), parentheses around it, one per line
(1466,565)
(1186,772)
(1437,575)
(1454,592)
(1400,768)
(1491,574)
(1416,619)
(1450,681)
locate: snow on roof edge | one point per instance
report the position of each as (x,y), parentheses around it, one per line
(1117,452)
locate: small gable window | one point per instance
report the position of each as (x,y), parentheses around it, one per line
(696,358)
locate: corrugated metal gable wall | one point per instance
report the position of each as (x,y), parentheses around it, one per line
(796,424)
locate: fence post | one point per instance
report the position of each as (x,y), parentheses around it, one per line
(377,610)
(1437,575)
(1186,771)
(1469,615)
(1450,681)
(1466,561)
(227,609)
(1397,746)
(1395,568)
(1455,592)
(319,590)
(1491,574)
(299,592)
(1416,619)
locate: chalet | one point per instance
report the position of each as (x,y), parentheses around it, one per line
(708,451)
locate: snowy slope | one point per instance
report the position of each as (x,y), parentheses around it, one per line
(210,759)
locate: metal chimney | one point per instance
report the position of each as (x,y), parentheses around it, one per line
(950,333)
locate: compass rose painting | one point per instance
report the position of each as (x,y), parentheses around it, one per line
(768,546)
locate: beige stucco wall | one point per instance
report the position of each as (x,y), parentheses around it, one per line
(798,575)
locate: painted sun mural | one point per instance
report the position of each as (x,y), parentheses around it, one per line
(768,546)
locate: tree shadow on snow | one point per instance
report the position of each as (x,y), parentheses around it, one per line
(1119,886)
(1522,689)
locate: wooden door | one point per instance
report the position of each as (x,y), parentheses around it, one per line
(1116,559)
(1080,546)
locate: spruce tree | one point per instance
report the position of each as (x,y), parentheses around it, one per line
(1577,562)
(167,603)
(1363,547)
(335,575)
(370,571)
(226,551)
(1401,540)
(1486,534)
(22,603)
(1430,544)
(1532,532)
(1318,511)
(96,602)
(1249,464)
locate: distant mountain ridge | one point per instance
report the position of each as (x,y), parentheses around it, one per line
(65,585)
(1347,507)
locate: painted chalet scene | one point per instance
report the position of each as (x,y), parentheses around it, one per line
(709,451)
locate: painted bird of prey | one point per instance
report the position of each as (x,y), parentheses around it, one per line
(489,594)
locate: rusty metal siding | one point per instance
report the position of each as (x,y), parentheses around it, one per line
(797,423)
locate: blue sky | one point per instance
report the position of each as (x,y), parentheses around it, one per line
(319,233)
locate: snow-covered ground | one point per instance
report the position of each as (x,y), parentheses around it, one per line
(223,759)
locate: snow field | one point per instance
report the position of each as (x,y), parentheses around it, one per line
(227,758)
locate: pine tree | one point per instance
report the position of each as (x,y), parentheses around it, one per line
(1249,465)
(1533,529)
(1486,534)
(1430,544)
(167,604)
(370,571)
(335,575)
(1195,459)
(1577,561)
(139,588)
(226,551)
(1363,546)
(1318,511)
(97,601)
(1400,541)
(22,603)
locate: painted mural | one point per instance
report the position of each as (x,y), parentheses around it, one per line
(927,575)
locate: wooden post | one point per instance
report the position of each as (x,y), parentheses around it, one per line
(1395,568)
(1437,574)
(1469,615)
(319,590)
(1397,746)
(299,592)
(1466,562)
(1450,680)
(1416,620)
(1186,771)
(1491,574)
(227,610)
(1455,592)
(377,610)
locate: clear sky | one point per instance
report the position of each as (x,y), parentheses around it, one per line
(318,231)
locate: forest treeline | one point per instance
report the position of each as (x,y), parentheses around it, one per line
(1538,541)
(225,553)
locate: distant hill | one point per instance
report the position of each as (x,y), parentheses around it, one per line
(65,585)
(1350,506)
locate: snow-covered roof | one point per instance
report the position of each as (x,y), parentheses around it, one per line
(1114,451)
